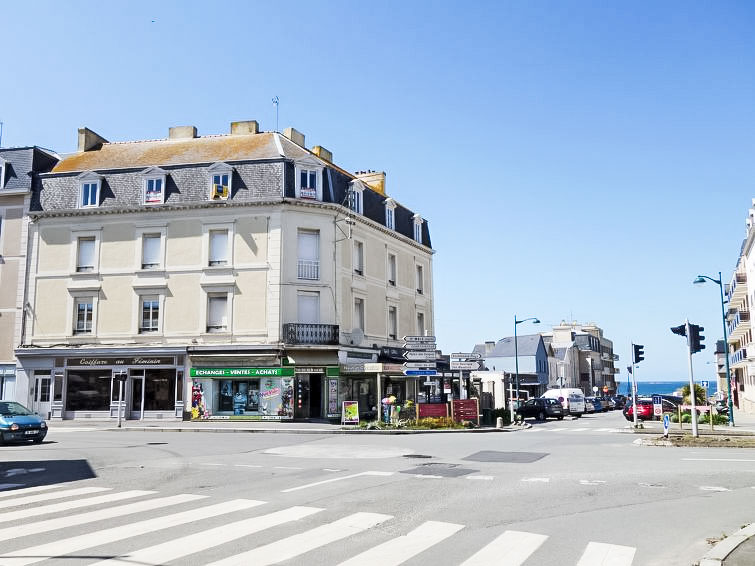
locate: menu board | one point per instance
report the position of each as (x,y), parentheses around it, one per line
(465,410)
(350,414)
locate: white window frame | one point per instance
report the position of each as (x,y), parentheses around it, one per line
(417,228)
(308,268)
(77,299)
(228,296)
(312,295)
(358,258)
(153,174)
(357,198)
(80,267)
(158,291)
(390,213)
(75,236)
(421,329)
(392,335)
(310,166)
(85,179)
(420,276)
(143,232)
(359,312)
(158,299)
(221,260)
(206,229)
(214,170)
(392,282)
(2,173)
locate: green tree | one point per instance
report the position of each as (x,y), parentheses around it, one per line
(699,395)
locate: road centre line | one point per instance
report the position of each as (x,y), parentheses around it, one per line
(718,460)
(479,478)
(543,480)
(601,554)
(247,465)
(713,488)
(511,548)
(287,468)
(308,485)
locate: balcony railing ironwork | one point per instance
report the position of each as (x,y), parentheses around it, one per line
(739,318)
(306,333)
(309,269)
(738,356)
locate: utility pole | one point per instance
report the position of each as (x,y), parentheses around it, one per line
(691,381)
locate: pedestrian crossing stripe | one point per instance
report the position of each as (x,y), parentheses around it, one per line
(511,548)
(29,499)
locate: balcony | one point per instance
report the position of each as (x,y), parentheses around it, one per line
(739,324)
(309,269)
(311,334)
(738,357)
(737,288)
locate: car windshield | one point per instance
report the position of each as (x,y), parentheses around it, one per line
(12,409)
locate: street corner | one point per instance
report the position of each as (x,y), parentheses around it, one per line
(737,549)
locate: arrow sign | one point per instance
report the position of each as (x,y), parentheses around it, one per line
(465,365)
(469,356)
(427,372)
(420,365)
(419,355)
(420,346)
(419,338)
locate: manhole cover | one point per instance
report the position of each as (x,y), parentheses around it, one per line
(444,471)
(507,457)
(416,456)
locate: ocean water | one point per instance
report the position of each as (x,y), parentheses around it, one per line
(646,388)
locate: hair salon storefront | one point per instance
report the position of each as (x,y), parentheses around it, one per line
(148,386)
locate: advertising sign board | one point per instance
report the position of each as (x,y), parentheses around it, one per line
(350,412)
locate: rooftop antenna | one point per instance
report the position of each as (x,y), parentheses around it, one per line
(276,100)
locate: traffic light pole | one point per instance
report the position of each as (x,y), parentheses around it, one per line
(691,381)
(634,391)
(729,401)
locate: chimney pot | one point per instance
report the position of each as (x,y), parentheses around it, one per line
(89,140)
(294,135)
(375,179)
(182,132)
(245,127)
(323,153)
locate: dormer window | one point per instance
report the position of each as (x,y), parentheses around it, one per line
(2,173)
(308,187)
(356,198)
(309,179)
(89,190)
(154,186)
(417,228)
(390,216)
(220,181)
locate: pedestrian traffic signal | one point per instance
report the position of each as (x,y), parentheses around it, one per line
(696,338)
(639,353)
(681,330)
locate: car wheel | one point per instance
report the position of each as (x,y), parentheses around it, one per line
(541,416)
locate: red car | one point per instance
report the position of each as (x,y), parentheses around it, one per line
(645,409)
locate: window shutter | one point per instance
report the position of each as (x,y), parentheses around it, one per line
(218,247)
(309,246)
(86,253)
(151,250)
(217,315)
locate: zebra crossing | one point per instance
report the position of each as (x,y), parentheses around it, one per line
(38,524)
(578,429)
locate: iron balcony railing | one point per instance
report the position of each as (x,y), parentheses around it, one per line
(737,282)
(738,356)
(305,333)
(739,318)
(309,269)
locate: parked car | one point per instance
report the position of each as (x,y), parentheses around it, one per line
(589,407)
(609,404)
(596,404)
(620,401)
(572,399)
(540,408)
(17,423)
(645,408)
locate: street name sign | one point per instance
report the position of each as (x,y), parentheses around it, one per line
(419,338)
(420,365)
(418,355)
(427,372)
(465,365)
(420,346)
(467,356)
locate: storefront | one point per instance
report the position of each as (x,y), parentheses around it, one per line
(264,393)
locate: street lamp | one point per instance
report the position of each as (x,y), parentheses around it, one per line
(516,348)
(699,280)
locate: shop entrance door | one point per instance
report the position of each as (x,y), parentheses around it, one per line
(41,400)
(137,398)
(301,404)
(315,396)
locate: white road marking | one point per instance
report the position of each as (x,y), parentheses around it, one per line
(600,554)
(26,490)
(480,478)
(652,485)
(48,525)
(68,505)
(604,429)
(579,429)
(4,486)
(247,465)
(398,550)
(34,554)
(511,548)
(190,544)
(212,464)
(331,470)
(557,429)
(543,480)
(591,482)
(308,485)
(717,460)
(426,476)
(713,488)
(49,496)
(56,430)
(287,468)
(296,545)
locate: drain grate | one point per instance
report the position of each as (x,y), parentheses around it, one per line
(505,457)
(443,470)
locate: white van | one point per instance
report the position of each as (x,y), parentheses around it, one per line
(572,399)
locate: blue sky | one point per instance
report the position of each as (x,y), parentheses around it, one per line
(575,160)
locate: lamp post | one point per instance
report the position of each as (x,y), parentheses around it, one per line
(701,279)
(516,348)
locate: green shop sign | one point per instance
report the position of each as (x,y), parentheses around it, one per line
(242,372)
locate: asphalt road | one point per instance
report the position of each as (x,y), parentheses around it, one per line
(561,493)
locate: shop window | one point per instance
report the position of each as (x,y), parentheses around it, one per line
(88,390)
(159,389)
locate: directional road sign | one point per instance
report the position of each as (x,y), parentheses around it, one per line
(419,338)
(419,355)
(420,346)
(465,365)
(420,365)
(467,356)
(427,372)
(704,384)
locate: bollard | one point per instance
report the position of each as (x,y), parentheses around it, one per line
(499,422)
(710,416)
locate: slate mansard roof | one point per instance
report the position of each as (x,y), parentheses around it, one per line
(256,176)
(21,164)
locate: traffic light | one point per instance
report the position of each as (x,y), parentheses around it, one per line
(681,330)
(696,338)
(639,353)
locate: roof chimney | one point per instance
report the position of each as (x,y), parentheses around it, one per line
(323,153)
(375,179)
(294,135)
(88,140)
(182,132)
(246,127)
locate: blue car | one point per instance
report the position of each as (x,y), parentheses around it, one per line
(17,423)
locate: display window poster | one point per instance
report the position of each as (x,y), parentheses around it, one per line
(350,412)
(332,396)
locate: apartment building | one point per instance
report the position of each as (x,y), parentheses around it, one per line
(19,169)
(225,276)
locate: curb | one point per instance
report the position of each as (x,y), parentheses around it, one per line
(304,431)
(716,555)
